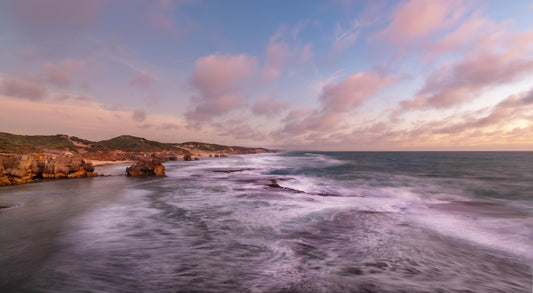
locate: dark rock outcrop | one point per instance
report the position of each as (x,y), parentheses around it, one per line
(147,167)
(187,157)
(17,169)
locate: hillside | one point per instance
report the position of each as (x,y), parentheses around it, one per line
(128,143)
(12,143)
(18,144)
(217,148)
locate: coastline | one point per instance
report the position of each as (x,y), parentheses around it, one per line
(32,158)
(98,163)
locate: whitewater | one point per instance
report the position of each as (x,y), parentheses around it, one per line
(283,222)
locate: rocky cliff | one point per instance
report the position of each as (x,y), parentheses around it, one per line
(16,169)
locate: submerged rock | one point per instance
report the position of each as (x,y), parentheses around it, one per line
(274,184)
(147,167)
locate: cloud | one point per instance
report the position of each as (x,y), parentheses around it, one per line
(416,19)
(267,106)
(510,109)
(305,54)
(55,75)
(455,84)
(169,126)
(23,88)
(352,92)
(69,96)
(508,125)
(217,80)
(297,114)
(142,81)
(275,57)
(60,74)
(53,17)
(138,115)
(492,56)
(337,99)
(469,33)
(87,120)
(159,16)
(238,128)
(145,126)
(345,38)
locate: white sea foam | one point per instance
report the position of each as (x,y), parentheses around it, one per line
(501,234)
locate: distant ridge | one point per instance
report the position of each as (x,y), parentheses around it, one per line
(18,144)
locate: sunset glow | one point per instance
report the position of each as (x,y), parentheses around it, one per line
(321,75)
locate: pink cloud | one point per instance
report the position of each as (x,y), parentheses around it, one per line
(336,100)
(60,74)
(37,17)
(169,126)
(218,73)
(55,75)
(276,55)
(23,88)
(267,106)
(217,80)
(468,34)
(238,128)
(305,54)
(138,115)
(208,108)
(416,19)
(297,114)
(351,92)
(76,97)
(160,16)
(464,81)
(142,81)
(508,124)
(512,108)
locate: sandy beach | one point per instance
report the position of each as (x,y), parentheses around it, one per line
(97,163)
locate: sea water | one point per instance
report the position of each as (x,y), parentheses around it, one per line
(284,222)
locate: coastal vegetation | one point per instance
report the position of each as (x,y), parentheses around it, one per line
(30,158)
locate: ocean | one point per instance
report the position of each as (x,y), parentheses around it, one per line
(283,222)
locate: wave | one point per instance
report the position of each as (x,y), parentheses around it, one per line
(469,221)
(420,199)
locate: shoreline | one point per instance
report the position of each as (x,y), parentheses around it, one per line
(98,163)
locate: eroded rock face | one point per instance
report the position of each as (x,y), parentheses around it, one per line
(18,169)
(66,166)
(146,167)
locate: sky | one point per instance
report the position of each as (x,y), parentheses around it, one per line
(310,75)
